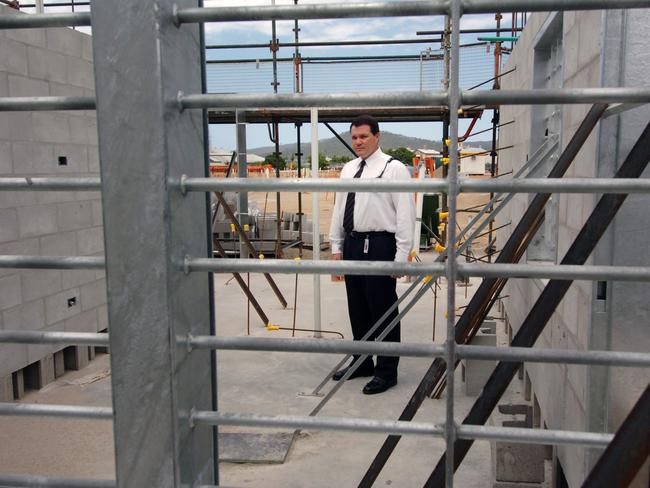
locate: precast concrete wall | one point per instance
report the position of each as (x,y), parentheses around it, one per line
(597,49)
(48,62)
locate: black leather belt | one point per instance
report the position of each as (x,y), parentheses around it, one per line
(368,235)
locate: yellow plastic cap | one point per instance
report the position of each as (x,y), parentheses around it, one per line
(270,326)
(439,248)
(233,228)
(443,215)
(247,227)
(427,278)
(261,256)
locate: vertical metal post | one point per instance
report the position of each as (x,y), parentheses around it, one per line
(242,172)
(315,220)
(39,6)
(145,144)
(454,95)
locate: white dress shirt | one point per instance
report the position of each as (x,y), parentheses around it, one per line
(377,211)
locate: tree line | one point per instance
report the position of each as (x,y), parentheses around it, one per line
(401,153)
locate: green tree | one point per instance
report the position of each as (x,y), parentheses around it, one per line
(280,163)
(322,161)
(402,154)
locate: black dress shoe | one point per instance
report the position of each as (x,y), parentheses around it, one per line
(361,371)
(378,385)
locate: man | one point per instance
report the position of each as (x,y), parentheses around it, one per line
(374,226)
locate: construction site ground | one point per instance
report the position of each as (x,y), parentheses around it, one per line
(272,383)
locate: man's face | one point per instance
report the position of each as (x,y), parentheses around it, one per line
(364,142)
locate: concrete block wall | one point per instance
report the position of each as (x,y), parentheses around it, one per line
(571,397)
(42,62)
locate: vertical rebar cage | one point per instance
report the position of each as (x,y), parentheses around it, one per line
(150,110)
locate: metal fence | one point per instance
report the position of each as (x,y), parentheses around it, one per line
(150,102)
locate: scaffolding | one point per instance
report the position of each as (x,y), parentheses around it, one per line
(160,302)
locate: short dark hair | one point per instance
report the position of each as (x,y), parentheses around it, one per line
(368,120)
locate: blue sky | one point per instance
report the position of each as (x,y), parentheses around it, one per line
(256,77)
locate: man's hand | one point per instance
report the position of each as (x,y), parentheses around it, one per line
(337,256)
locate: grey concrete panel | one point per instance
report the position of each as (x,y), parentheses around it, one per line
(76,158)
(65,90)
(26,316)
(12,359)
(59,364)
(30,158)
(46,65)
(32,37)
(61,306)
(6,389)
(61,244)
(65,41)
(8,225)
(25,246)
(10,293)
(4,92)
(82,322)
(80,72)
(18,126)
(37,220)
(90,241)
(51,127)
(519,462)
(79,131)
(87,49)
(75,357)
(93,295)
(98,218)
(19,384)
(13,57)
(21,86)
(102,317)
(74,215)
(242,447)
(6,161)
(39,283)
(76,278)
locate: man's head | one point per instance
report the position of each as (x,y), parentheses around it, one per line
(364,131)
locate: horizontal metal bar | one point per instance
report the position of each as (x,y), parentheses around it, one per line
(559,95)
(52,262)
(323,423)
(71,19)
(619,108)
(336,346)
(492,6)
(557,272)
(36,481)
(467,185)
(50,183)
(320,346)
(313,267)
(52,337)
(326,43)
(536,436)
(316,11)
(310,100)
(22,104)
(542,355)
(556,185)
(45,410)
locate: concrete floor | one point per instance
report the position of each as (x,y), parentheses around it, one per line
(267,383)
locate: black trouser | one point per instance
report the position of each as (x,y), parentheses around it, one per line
(370,296)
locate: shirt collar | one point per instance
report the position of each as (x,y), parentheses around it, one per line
(375,159)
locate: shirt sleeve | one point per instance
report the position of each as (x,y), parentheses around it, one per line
(336,225)
(405,213)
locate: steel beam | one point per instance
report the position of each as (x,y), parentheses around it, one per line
(553,292)
(146,143)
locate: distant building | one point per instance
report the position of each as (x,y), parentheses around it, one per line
(473,160)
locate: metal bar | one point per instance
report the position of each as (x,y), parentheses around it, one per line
(553,292)
(317,11)
(52,262)
(322,423)
(492,79)
(144,142)
(467,185)
(466,31)
(21,104)
(341,140)
(319,59)
(249,245)
(550,96)
(484,296)
(46,337)
(489,129)
(39,21)
(406,349)
(627,452)
(50,183)
(325,346)
(326,43)
(309,100)
(43,410)
(562,271)
(490,6)
(36,481)
(537,436)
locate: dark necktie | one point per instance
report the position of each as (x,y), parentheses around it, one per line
(348,215)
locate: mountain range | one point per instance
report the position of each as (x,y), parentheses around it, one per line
(333,147)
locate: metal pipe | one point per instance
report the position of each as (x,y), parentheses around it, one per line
(467,185)
(490,6)
(36,481)
(44,410)
(318,59)
(310,100)
(326,43)
(50,183)
(22,104)
(561,271)
(317,11)
(52,262)
(47,337)
(551,96)
(315,205)
(537,436)
(39,21)
(465,31)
